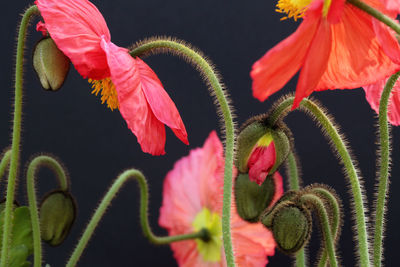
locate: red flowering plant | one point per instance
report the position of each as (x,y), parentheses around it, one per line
(225,203)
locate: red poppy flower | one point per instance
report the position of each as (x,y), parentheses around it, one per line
(261,161)
(336,46)
(373,94)
(80,31)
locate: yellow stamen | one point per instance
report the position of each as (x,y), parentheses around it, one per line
(210,250)
(106,88)
(293,8)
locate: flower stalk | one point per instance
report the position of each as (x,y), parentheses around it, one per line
(16,135)
(384,155)
(144,221)
(181,49)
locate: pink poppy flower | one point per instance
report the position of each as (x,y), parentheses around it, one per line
(373,94)
(81,33)
(392,5)
(192,200)
(336,46)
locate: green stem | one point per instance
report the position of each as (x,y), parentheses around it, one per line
(33,168)
(384,155)
(351,172)
(335,219)
(376,14)
(16,135)
(179,48)
(4,163)
(294,184)
(144,221)
(325,226)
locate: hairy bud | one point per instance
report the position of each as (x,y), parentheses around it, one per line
(50,64)
(57,214)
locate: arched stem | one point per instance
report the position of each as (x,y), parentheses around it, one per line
(294,184)
(313,200)
(16,135)
(181,49)
(351,172)
(33,168)
(384,156)
(144,221)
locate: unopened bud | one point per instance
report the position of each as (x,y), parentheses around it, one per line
(261,150)
(252,199)
(291,226)
(50,64)
(57,214)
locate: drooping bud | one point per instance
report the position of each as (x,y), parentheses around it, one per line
(291,226)
(261,150)
(50,64)
(57,214)
(252,199)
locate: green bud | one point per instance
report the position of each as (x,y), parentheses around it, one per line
(291,226)
(57,214)
(252,199)
(50,64)
(258,134)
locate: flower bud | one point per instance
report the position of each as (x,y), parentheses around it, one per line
(261,150)
(252,199)
(291,226)
(50,64)
(57,214)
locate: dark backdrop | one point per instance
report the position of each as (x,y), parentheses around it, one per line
(95,144)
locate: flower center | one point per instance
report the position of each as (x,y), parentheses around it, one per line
(210,250)
(293,8)
(106,88)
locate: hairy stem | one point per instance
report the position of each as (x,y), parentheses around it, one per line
(325,226)
(33,168)
(16,135)
(376,14)
(294,184)
(176,47)
(4,163)
(351,173)
(144,221)
(384,153)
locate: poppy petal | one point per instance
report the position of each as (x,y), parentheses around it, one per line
(388,40)
(278,65)
(315,63)
(133,105)
(160,102)
(357,57)
(77,26)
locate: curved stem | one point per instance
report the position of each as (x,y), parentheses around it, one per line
(176,47)
(384,152)
(294,184)
(33,167)
(351,172)
(16,135)
(376,14)
(335,219)
(325,226)
(144,221)
(4,163)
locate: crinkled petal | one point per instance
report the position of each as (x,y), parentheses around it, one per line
(133,105)
(357,57)
(76,26)
(278,65)
(373,94)
(388,40)
(278,188)
(392,5)
(261,161)
(315,63)
(161,104)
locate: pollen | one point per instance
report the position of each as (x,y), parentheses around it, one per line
(293,8)
(106,88)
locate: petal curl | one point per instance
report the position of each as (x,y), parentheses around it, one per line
(278,65)
(77,26)
(261,161)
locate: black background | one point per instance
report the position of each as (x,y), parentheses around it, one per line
(95,144)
